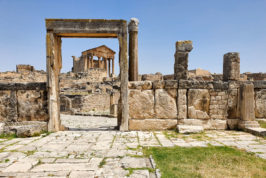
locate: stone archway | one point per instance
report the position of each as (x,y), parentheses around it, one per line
(83,28)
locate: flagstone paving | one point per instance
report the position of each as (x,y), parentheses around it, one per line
(105,153)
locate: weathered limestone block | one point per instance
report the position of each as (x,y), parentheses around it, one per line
(165,104)
(32,105)
(152,124)
(231,66)
(181,59)
(260,102)
(152,77)
(158,84)
(210,124)
(188,129)
(247,102)
(141,104)
(182,103)
(8,106)
(170,84)
(25,128)
(218,104)
(260,84)
(198,103)
(96,103)
(140,85)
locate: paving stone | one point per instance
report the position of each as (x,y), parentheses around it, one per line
(18,167)
(80,174)
(132,162)
(140,174)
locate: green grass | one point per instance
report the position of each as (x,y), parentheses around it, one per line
(8,136)
(262,124)
(206,162)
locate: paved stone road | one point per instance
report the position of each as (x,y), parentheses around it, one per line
(105,153)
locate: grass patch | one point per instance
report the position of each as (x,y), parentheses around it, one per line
(133,169)
(8,136)
(262,124)
(206,162)
(103,162)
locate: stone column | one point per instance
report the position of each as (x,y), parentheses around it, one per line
(113,67)
(85,63)
(105,65)
(92,62)
(181,59)
(109,67)
(54,65)
(133,49)
(89,62)
(99,62)
(247,106)
(231,66)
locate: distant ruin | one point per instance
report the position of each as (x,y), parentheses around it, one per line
(86,62)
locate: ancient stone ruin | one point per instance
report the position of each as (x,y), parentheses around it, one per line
(87,63)
(185,100)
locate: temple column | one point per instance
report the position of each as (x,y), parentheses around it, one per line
(85,60)
(92,62)
(133,49)
(99,62)
(231,66)
(113,67)
(105,65)
(89,62)
(109,67)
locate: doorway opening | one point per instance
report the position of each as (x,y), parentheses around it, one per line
(83,28)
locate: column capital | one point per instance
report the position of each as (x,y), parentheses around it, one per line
(133,25)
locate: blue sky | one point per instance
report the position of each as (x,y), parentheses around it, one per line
(215,27)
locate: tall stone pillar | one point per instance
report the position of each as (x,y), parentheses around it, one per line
(247,106)
(133,49)
(181,59)
(231,66)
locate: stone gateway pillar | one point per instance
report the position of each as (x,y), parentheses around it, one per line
(181,59)
(231,66)
(133,49)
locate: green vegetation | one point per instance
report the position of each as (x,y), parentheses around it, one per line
(262,124)
(133,169)
(103,162)
(8,136)
(206,162)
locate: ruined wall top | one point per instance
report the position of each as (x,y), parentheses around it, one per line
(24,68)
(184,46)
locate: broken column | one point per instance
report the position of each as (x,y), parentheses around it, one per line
(231,66)
(247,106)
(181,59)
(133,49)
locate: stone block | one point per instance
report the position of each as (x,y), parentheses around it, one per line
(152,77)
(182,103)
(8,106)
(32,105)
(232,124)
(260,103)
(247,104)
(158,84)
(141,104)
(140,85)
(198,103)
(188,129)
(152,124)
(165,104)
(211,124)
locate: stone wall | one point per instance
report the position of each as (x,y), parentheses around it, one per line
(23,108)
(90,98)
(161,105)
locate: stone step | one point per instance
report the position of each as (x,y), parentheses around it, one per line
(187,129)
(257,131)
(248,124)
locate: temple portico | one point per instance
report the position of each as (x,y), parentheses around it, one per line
(100,57)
